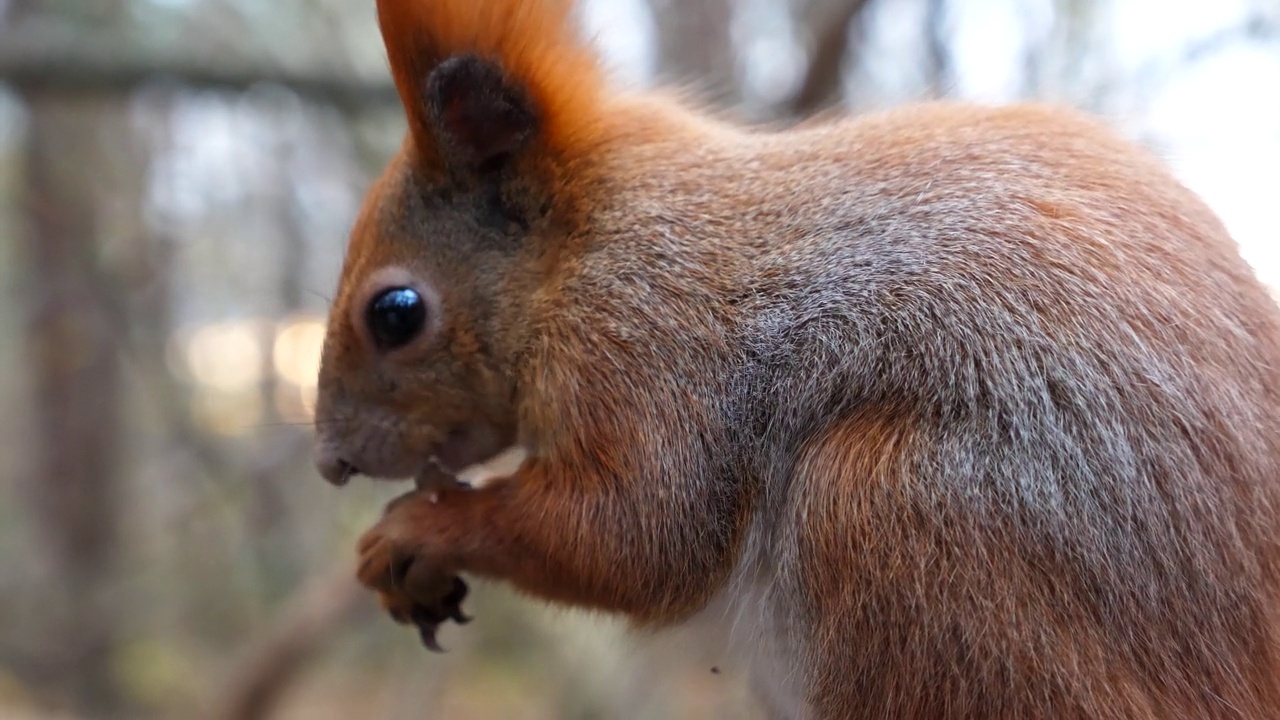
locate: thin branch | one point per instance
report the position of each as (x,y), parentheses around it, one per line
(266,668)
(821,88)
(696,49)
(1256,28)
(939,45)
(63,71)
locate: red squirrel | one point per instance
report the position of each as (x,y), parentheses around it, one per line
(952,411)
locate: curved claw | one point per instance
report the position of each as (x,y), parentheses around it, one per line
(454,601)
(427,632)
(428,621)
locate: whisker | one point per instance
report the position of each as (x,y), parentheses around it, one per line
(327,298)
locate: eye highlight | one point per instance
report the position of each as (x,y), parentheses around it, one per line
(395,317)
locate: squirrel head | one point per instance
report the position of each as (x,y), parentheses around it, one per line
(457,236)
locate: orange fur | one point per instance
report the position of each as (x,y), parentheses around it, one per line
(536,43)
(956,411)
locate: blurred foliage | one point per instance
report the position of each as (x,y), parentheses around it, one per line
(176,179)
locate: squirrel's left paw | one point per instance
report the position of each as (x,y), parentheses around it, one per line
(413,586)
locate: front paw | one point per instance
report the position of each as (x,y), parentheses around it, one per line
(412,582)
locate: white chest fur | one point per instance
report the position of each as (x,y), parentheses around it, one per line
(742,622)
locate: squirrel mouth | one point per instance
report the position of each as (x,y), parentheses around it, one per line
(338,472)
(471,456)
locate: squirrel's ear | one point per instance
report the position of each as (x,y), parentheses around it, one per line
(487,80)
(479,117)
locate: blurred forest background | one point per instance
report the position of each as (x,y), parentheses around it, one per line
(176,181)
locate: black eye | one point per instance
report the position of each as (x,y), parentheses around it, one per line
(395,317)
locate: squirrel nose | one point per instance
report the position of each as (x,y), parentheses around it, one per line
(333,467)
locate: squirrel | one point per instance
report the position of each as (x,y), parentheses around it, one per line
(951,411)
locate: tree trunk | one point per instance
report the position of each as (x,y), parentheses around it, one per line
(830,25)
(75,379)
(695,47)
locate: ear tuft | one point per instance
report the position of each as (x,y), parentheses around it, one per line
(485,79)
(478,115)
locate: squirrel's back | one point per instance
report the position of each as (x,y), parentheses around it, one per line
(1008,393)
